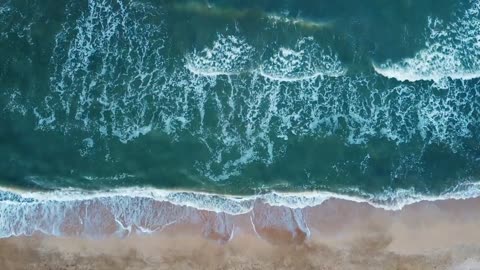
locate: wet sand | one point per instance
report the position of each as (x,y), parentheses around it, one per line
(338,234)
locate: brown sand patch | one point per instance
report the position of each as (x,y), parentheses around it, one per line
(190,252)
(343,235)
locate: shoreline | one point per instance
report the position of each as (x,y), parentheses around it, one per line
(337,233)
(392,200)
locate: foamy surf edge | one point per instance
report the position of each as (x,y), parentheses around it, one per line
(406,75)
(392,200)
(125,211)
(451,51)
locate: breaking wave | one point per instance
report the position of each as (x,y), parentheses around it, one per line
(452,51)
(147,209)
(306,61)
(229,55)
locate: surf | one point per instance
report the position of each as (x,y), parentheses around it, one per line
(452,50)
(147,210)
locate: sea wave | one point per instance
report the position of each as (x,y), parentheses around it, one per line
(229,55)
(236,204)
(305,61)
(232,56)
(452,50)
(145,210)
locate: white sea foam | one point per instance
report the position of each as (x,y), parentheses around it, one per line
(61,211)
(236,204)
(106,63)
(306,61)
(229,55)
(452,50)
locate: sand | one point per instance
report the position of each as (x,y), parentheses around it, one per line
(335,235)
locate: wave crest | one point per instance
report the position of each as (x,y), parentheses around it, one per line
(229,55)
(148,209)
(452,51)
(305,61)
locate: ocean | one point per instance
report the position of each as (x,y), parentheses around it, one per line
(216,104)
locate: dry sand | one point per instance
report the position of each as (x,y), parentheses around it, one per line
(336,235)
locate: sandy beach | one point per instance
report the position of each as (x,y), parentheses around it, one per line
(337,234)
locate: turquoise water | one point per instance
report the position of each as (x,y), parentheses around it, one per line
(240,97)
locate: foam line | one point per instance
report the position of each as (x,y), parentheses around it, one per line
(452,50)
(412,75)
(235,205)
(146,210)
